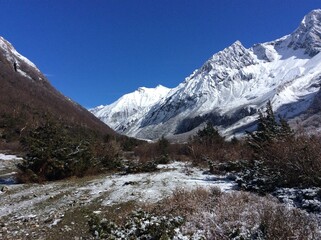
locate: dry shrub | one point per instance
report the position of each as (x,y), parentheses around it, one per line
(247,215)
(179,152)
(238,215)
(295,161)
(186,203)
(161,151)
(10,147)
(146,152)
(108,154)
(219,152)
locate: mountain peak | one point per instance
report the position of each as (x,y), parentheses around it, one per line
(157,88)
(235,56)
(313,18)
(308,34)
(237,43)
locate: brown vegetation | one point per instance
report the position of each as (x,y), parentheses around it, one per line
(236,215)
(211,214)
(24,103)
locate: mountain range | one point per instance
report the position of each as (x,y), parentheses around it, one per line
(229,89)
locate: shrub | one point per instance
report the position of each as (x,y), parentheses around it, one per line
(140,225)
(52,154)
(209,147)
(269,131)
(238,215)
(108,154)
(292,163)
(56,151)
(158,152)
(140,166)
(281,159)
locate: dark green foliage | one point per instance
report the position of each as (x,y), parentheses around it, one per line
(53,154)
(141,166)
(56,151)
(140,225)
(11,126)
(269,130)
(209,136)
(163,151)
(129,143)
(280,159)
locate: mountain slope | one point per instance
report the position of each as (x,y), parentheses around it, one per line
(234,83)
(26,97)
(129,110)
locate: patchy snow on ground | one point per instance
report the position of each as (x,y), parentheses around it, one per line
(26,199)
(49,202)
(8,157)
(151,187)
(8,168)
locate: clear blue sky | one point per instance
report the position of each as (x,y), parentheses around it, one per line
(94,51)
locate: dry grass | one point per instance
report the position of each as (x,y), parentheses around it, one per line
(236,215)
(296,160)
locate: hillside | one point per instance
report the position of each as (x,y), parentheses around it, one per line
(27,98)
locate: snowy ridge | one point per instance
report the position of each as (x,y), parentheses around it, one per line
(130,108)
(14,57)
(234,83)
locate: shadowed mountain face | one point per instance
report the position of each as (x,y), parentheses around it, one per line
(230,88)
(27,97)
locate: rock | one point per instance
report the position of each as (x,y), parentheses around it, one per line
(4,188)
(130,183)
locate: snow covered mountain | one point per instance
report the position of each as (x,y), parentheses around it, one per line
(128,111)
(232,85)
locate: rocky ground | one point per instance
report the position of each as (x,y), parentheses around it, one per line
(61,210)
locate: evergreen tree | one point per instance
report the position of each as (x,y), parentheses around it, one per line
(209,135)
(53,154)
(269,129)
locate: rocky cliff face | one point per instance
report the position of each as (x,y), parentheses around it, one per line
(235,82)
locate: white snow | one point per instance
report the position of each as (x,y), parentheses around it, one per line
(15,57)
(8,157)
(130,109)
(151,187)
(284,71)
(112,189)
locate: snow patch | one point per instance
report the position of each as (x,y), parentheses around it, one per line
(7,157)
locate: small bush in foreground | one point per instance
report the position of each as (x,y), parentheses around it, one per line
(239,215)
(210,214)
(140,225)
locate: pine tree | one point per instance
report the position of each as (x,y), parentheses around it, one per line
(269,130)
(53,154)
(209,135)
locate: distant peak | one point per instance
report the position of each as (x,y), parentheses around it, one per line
(141,89)
(237,43)
(159,86)
(144,89)
(308,35)
(312,18)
